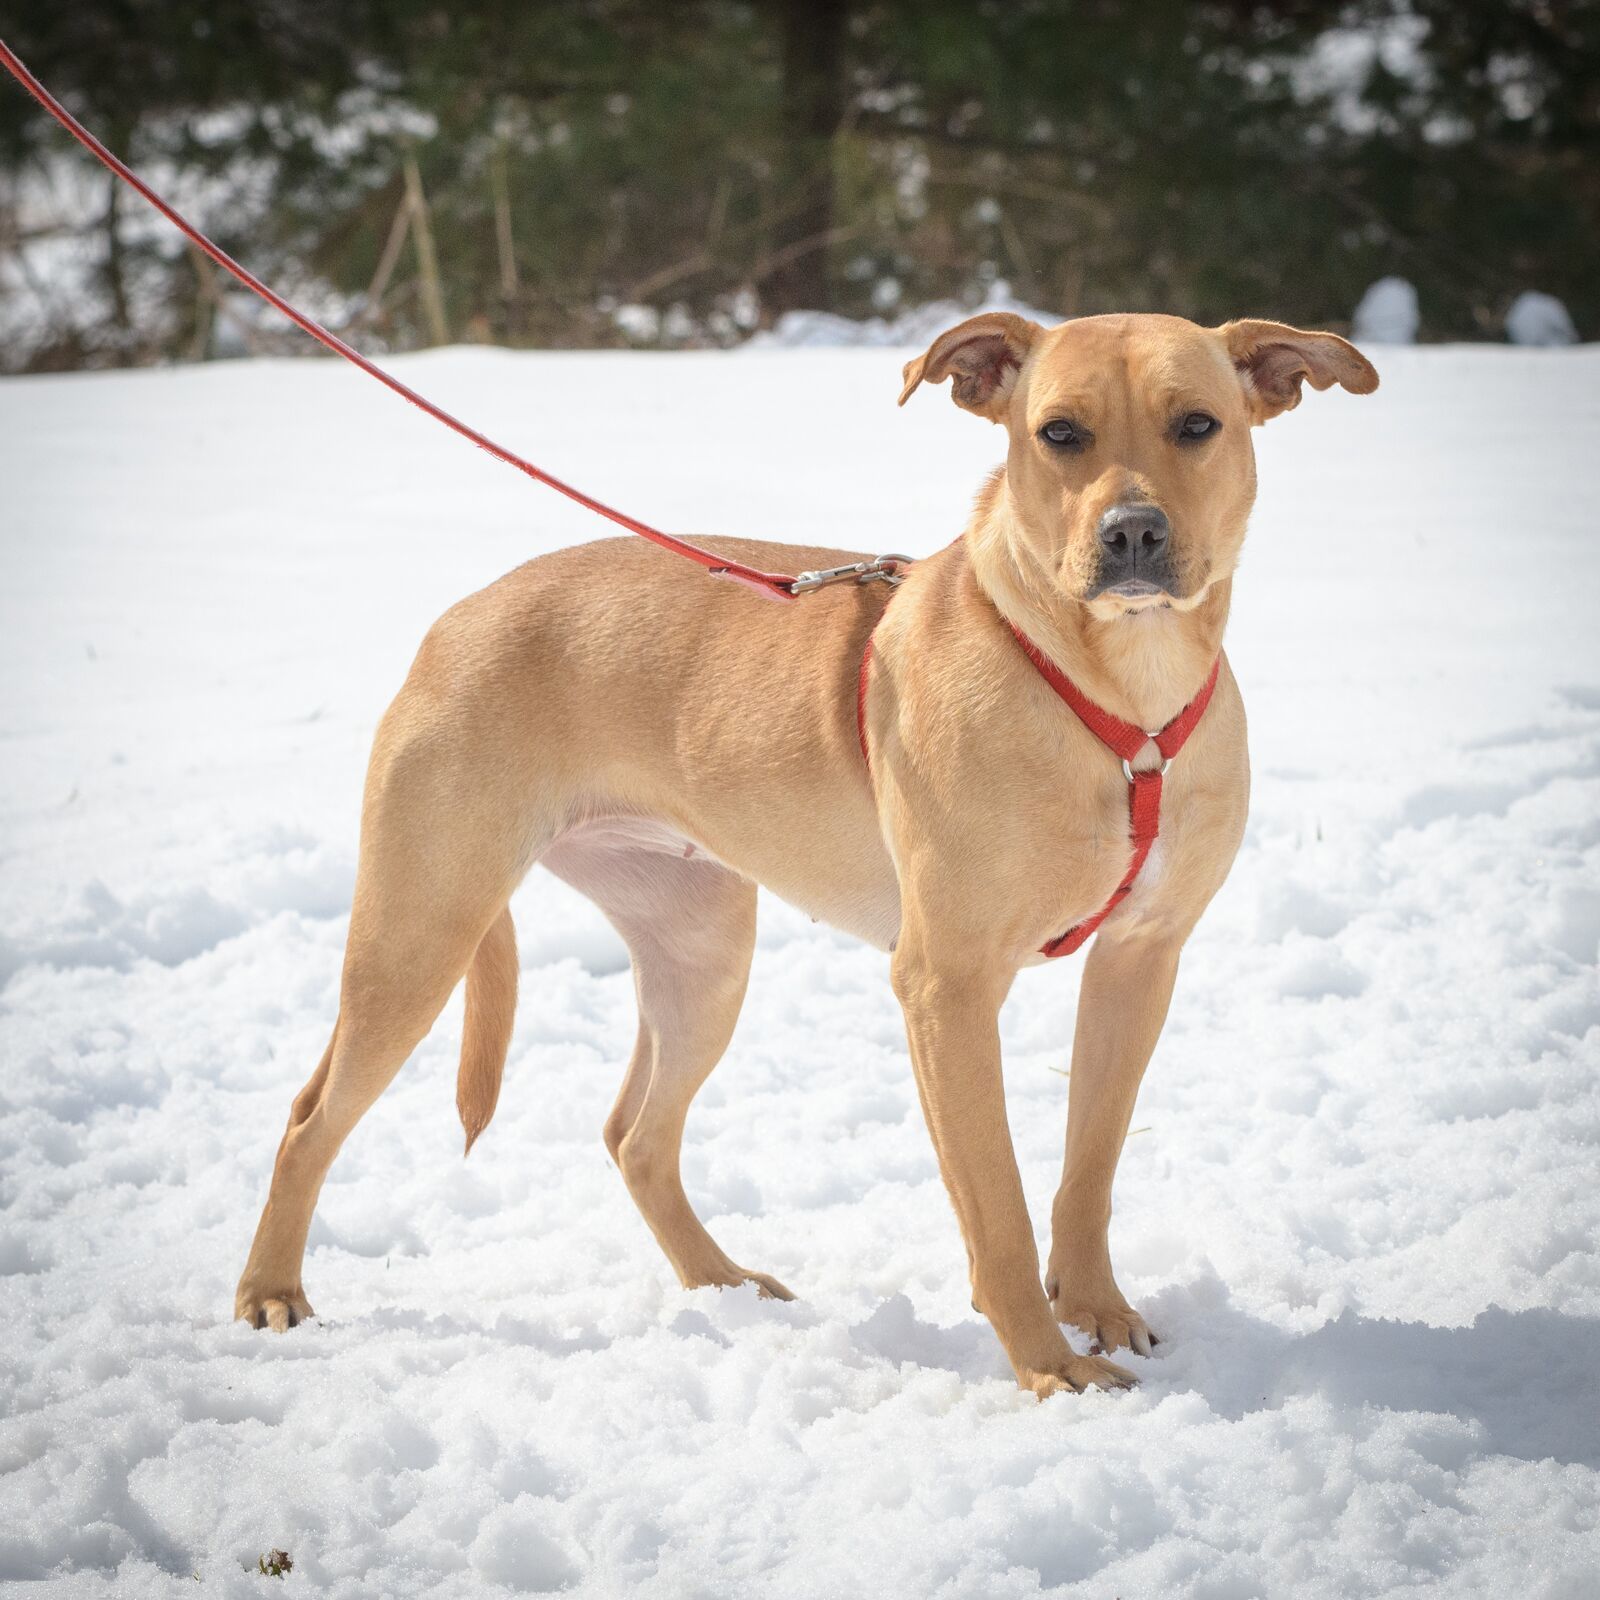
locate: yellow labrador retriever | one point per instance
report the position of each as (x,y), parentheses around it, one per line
(665,744)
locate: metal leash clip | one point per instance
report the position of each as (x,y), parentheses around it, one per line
(883,568)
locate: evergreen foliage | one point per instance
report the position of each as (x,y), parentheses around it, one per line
(718,162)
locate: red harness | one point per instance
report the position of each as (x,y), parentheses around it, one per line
(1122,739)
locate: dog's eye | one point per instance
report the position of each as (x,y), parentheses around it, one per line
(1196,426)
(1063,435)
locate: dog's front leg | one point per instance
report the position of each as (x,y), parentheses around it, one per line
(952,1005)
(1127,986)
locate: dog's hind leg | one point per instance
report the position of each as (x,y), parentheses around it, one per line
(690,927)
(393,990)
(442,847)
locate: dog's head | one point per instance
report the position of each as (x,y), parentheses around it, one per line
(1130,470)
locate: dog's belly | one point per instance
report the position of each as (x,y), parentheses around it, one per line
(604,855)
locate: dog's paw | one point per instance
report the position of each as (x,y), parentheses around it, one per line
(280,1312)
(1119,1328)
(1077,1373)
(1109,1321)
(768,1287)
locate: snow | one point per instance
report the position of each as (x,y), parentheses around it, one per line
(917,327)
(1387,313)
(1539,319)
(1361,1205)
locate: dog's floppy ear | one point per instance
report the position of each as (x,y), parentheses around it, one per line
(1273,360)
(981,356)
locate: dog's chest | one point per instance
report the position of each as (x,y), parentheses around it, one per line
(1143,901)
(1091,866)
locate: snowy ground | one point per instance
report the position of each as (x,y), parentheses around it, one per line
(1361,1204)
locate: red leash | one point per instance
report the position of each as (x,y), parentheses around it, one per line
(774,585)
(1125,740)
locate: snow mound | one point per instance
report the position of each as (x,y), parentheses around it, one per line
(1539,319)
(1387,314)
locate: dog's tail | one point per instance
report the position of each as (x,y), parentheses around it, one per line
(486,1034)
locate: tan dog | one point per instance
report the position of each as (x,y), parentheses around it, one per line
(665,744)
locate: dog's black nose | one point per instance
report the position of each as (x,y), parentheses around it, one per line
(1134,534)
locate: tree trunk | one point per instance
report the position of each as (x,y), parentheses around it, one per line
(427,258)
(116,277)
(813,41)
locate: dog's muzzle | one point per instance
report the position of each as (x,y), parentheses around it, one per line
(1135,552)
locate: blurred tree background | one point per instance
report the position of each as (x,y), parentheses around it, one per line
(606,172)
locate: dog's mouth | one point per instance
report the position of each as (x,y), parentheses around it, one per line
(1135,594)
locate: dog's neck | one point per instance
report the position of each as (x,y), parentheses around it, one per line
(1144,667)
